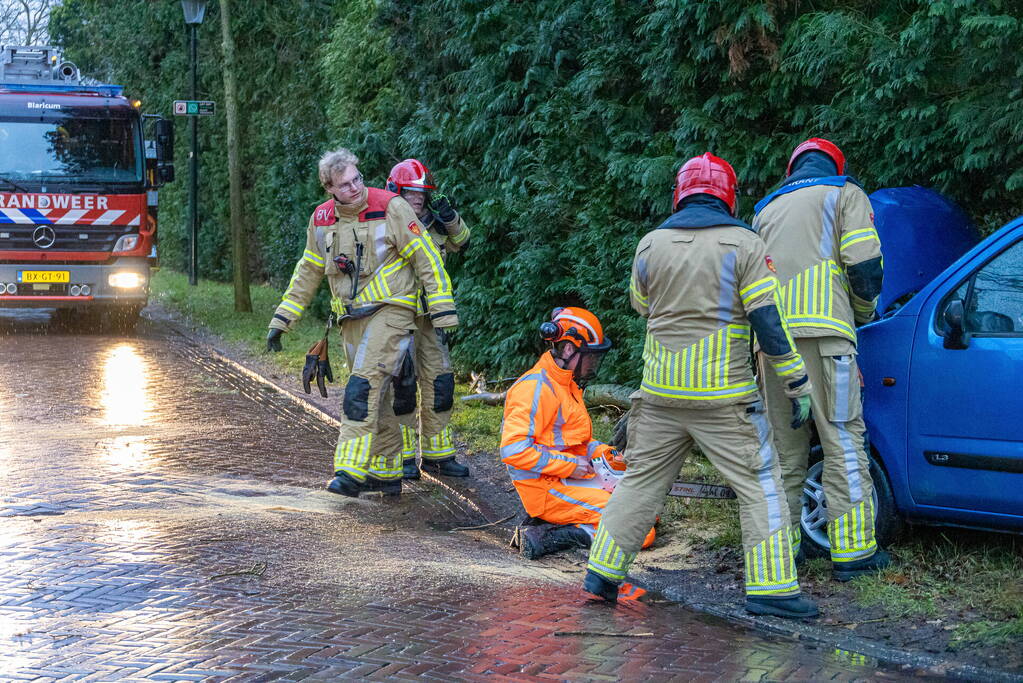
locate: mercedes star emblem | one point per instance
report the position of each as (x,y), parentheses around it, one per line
(44,237)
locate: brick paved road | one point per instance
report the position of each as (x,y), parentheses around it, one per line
(162,517)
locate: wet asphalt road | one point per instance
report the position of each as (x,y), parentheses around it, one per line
(162,517)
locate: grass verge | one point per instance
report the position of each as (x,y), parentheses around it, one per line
(211,305)
(970,583)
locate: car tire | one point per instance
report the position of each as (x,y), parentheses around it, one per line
(813,514)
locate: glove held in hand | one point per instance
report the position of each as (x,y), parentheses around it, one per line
(273,340)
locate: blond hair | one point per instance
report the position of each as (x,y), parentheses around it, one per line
(335,162)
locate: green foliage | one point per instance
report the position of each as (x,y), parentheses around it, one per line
(282,114)
(556,125)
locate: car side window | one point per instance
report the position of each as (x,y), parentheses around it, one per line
(995,303)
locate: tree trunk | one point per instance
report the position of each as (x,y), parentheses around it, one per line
(239,239)
(617,395)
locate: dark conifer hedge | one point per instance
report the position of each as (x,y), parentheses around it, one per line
(556,125)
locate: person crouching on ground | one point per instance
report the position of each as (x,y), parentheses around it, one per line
(547,439)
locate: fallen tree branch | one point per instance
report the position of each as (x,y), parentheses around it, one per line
(865,621)
(488,398)
(603,395)
(255,570)
(481,526)
(604,634)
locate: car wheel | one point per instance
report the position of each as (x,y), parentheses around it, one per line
(813,517)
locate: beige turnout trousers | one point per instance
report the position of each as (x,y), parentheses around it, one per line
(436,382)
(737,441)
(370,441)
(838,414)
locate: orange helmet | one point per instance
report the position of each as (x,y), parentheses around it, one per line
(576,325)
(580,328)
(818,145)
(706,174)
(410,174)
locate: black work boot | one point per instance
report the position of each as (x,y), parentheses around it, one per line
(847,571)
(446,467)
(543,539)
(409,469)
(790,607)
(345,484)
(597,585)
(389,487)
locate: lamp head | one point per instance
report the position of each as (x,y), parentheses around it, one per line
(194,11)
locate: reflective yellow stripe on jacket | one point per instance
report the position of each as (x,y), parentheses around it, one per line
(808,298)
(378,289)
(698,372)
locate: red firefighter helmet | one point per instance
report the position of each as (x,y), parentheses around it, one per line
(706,174)
(410,174)
(819,145)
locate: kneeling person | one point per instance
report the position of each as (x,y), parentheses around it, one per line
(562,475)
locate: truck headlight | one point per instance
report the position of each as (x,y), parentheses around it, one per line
(126,280)
(126,243)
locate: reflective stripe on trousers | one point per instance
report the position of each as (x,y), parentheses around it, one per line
(607,559)
(852,535)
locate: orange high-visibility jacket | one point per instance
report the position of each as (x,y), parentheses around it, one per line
(547,432)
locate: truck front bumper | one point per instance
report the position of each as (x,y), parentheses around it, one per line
(131,273)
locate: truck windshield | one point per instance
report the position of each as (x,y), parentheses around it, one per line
(71,149)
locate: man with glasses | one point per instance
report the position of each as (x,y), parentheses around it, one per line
(372,250)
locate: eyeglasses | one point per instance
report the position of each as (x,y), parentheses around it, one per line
(351,185)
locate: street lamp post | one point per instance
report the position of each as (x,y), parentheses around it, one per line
(194,11)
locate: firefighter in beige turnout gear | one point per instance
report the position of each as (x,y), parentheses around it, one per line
(819,227)
(372,250)
(428,363)
(703,280)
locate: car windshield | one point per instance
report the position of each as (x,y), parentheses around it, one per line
(74,148)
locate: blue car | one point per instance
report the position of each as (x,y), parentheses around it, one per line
(942,374)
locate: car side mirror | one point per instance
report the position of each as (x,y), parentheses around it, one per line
(955,335)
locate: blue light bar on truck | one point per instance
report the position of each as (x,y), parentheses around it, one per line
(100,89)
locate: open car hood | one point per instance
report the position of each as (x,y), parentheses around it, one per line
(922,233)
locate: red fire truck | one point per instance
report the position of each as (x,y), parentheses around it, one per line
(78,189)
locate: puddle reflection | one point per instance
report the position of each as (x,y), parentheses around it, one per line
(123,535)
(127,453)
(125,396)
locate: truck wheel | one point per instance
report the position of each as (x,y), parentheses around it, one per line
(123,319)
(813,515)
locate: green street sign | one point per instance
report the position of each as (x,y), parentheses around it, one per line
(194,108)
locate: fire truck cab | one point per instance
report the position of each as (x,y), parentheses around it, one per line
(78,189)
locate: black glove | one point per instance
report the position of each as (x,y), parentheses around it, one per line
(443,335)
(273,340)
(801,412)
(309,372)
(442,207)
(317,366)
(323,372)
